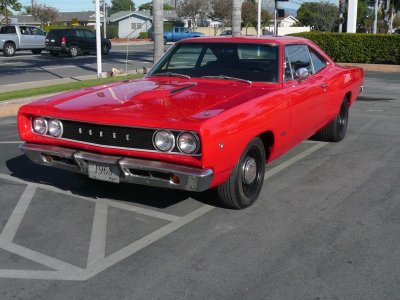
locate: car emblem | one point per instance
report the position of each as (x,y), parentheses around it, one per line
(114,135)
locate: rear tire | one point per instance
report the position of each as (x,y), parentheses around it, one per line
(105,49)
(244,184)
(74,51)
(335,131)
(9,49)
(36,51)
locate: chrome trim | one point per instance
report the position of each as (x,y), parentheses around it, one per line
(153,138)
(197,142)
(132,169)
(115,147)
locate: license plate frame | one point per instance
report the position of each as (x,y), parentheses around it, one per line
(104,172)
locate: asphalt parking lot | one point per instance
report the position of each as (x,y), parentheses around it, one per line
(326,225)
(25,67)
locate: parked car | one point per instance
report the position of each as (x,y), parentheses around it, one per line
(180,33)
(226,32)
(20,37)
(211,113)
(74,42)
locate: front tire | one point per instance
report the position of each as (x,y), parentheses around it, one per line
(9,49)
(244,184)
(336,130)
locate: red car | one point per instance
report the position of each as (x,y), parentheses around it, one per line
(210,113)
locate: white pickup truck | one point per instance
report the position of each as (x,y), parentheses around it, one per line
(21,37)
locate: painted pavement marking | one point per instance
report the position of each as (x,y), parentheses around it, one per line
(97,261)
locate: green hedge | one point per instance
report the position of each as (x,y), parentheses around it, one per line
(143,35)
(112,31)
(357,47)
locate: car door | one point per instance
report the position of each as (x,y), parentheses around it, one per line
(38,37)
(307,96)
(27,39)
(90,40)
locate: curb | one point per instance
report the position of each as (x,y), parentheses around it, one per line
(9,108)
(374,67)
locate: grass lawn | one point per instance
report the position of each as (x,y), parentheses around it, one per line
(63,87)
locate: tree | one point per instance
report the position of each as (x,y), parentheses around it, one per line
(121,5)
(148,6)
(192,9)
(221,11)
(249,13)
(320,16)
(9,4)
(46,14)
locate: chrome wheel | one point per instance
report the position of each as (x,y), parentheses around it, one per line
(105,50)
(74,51)
(10,50)
(249,170)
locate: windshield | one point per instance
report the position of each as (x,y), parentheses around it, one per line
(251,62)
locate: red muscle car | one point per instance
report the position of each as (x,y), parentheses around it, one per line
(210,113)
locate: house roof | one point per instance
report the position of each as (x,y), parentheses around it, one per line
(168,15)
(82,16)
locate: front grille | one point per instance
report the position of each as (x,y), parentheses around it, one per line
(108,135)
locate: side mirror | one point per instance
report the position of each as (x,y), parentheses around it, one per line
(301,74)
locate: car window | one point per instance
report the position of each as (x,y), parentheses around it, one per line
(246,61)
(318,62)
(36,31)
(8,29)
(89,34)
(185,57)
(299,57)
(288,72)
(80,33)
(24,30)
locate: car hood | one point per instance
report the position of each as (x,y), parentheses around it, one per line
(151,102)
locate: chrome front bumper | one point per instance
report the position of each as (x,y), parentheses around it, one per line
(132,170)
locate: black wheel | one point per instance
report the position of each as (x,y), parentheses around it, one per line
(55,54)
(335,131)
(74,51)
(9,49)
(165,41)
(244,184)
(105,49)
(36,51)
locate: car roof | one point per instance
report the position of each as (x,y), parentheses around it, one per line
(265,39)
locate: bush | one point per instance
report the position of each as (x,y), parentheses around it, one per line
(143,35)
(112,31)
(357,47)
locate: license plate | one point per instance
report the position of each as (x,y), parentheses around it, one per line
(105,172)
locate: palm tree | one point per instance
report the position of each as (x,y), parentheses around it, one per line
(236,17)
(158,29)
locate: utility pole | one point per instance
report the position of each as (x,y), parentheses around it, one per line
(98,39)
(105,18)
(158,29)
(276,18)
(375,24)
(6,8)
(236,17)
(259,18)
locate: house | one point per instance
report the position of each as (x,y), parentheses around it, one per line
(288,21)
(81,18)
(132,23)
(20,19)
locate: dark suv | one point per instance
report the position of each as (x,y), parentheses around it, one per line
(74,42)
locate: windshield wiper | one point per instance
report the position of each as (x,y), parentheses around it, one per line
(228,78)
(171,74)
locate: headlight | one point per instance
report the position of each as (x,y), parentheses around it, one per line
(164,140)
(188,143)
(55,128)
(39,125)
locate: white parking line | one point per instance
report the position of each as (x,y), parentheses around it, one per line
(10,142)
(97,246)
(97,262)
